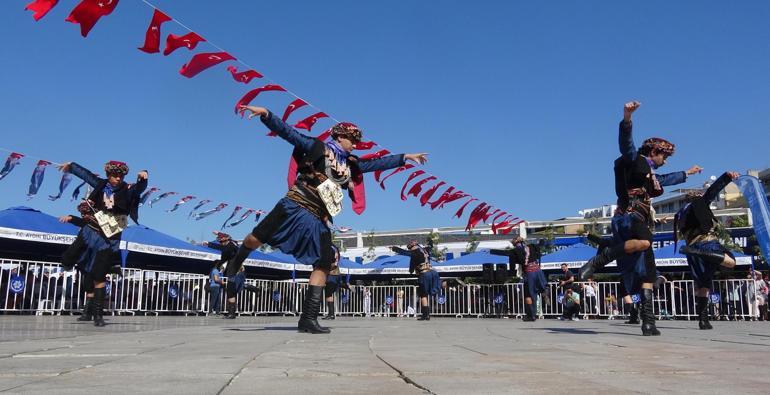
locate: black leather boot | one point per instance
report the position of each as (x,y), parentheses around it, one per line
(710,257)
(88,311)
(425,310)
(702,305)
(529,315)
(230,311)
(234,264)
(98,306)
(648,314)
(601,260)
(308,320)
(330,311)
(633,314)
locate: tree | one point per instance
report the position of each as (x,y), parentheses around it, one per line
(369,255)
(435,253)
(473,242)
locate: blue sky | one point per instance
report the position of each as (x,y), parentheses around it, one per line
(516,102)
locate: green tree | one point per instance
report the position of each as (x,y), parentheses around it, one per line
(436,253)
(369,242)
(473,242)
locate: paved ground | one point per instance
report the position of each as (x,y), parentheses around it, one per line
(198,355)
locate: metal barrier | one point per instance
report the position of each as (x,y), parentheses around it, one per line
(43,288)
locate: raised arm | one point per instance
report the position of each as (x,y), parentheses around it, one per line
(713,191)
(508,253)
(674,178)
(401,251)
(82,173)
(384,163)
(625,135)
(275,124)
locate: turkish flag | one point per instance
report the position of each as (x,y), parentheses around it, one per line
(203,61)
(189,40)
(40,8)
(412,176)
(152,37)
(441,198)
(417,187)
(308,122)
(250,95)
(364,145)
(429,193)
(486,216)
(243,76)
(374,155)
(88,12)
(296,104)
(399,170)
(459,212)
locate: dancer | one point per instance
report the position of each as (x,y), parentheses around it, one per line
(334,281)
(229,248)
(636,183)
(705,253)
(110,203)
(528,256)
(429,282)
(299,224)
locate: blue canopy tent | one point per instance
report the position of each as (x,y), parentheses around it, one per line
(469,264)
(28,234)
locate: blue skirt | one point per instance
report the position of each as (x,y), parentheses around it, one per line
(95,242)
(295,231)
(429,283)
(535,283)
(702,272)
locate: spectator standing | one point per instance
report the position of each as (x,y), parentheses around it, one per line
(215,287)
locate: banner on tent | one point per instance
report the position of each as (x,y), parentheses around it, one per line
(29,235)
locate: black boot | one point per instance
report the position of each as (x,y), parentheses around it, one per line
(633,314)
(702,305)
(330,311)
(230,311)
(98,306)
(234,264)
(710,257)
(88,311)
(601,242)
(648,314)
(528,313)
(425,310)
(308,320)
(601,260)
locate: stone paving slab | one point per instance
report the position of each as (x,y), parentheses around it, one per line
(209,355)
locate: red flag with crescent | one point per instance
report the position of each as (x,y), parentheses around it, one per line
(250,95)
(203,61)
(189,41)
(40,8)
(243,76)
(412,176)
(394,172)
(152,37)
(88,12)
(308,122)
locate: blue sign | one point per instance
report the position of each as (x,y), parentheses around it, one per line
(17,284)
(499,298)
(636,298)
(108,288)
(276,296)
(715,298)
(441,299)
(344,298)
(388,300)
(560,298)
(173,291)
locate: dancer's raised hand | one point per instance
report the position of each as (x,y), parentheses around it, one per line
(420,158)
(254,111)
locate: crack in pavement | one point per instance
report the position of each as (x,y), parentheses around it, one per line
(470,349)
(401,374)
(243,367)
(16,355)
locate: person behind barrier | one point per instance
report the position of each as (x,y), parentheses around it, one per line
(111,203)
(571,305)
(334,281)
(429,282)
(528,256)
(229,248)
(216,282)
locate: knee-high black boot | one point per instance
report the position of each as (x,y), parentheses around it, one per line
(648,314)
(330,311)
(230,311)
(529,313)
(308,320)
(98,306)
(425,313)
(633,314)
(702,305)
(234,264)
(710,257)
(88,310)
(601,259)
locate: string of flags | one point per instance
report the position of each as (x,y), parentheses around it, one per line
(88,12)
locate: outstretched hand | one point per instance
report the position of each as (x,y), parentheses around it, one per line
(693,170)
(253,111)
(65,218)
(420,158)
(733,174)
(64,167)
(142,175)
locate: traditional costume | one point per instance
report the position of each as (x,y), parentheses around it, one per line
(535,283)
(428,280)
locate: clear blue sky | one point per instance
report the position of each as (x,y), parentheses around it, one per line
(516,102)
